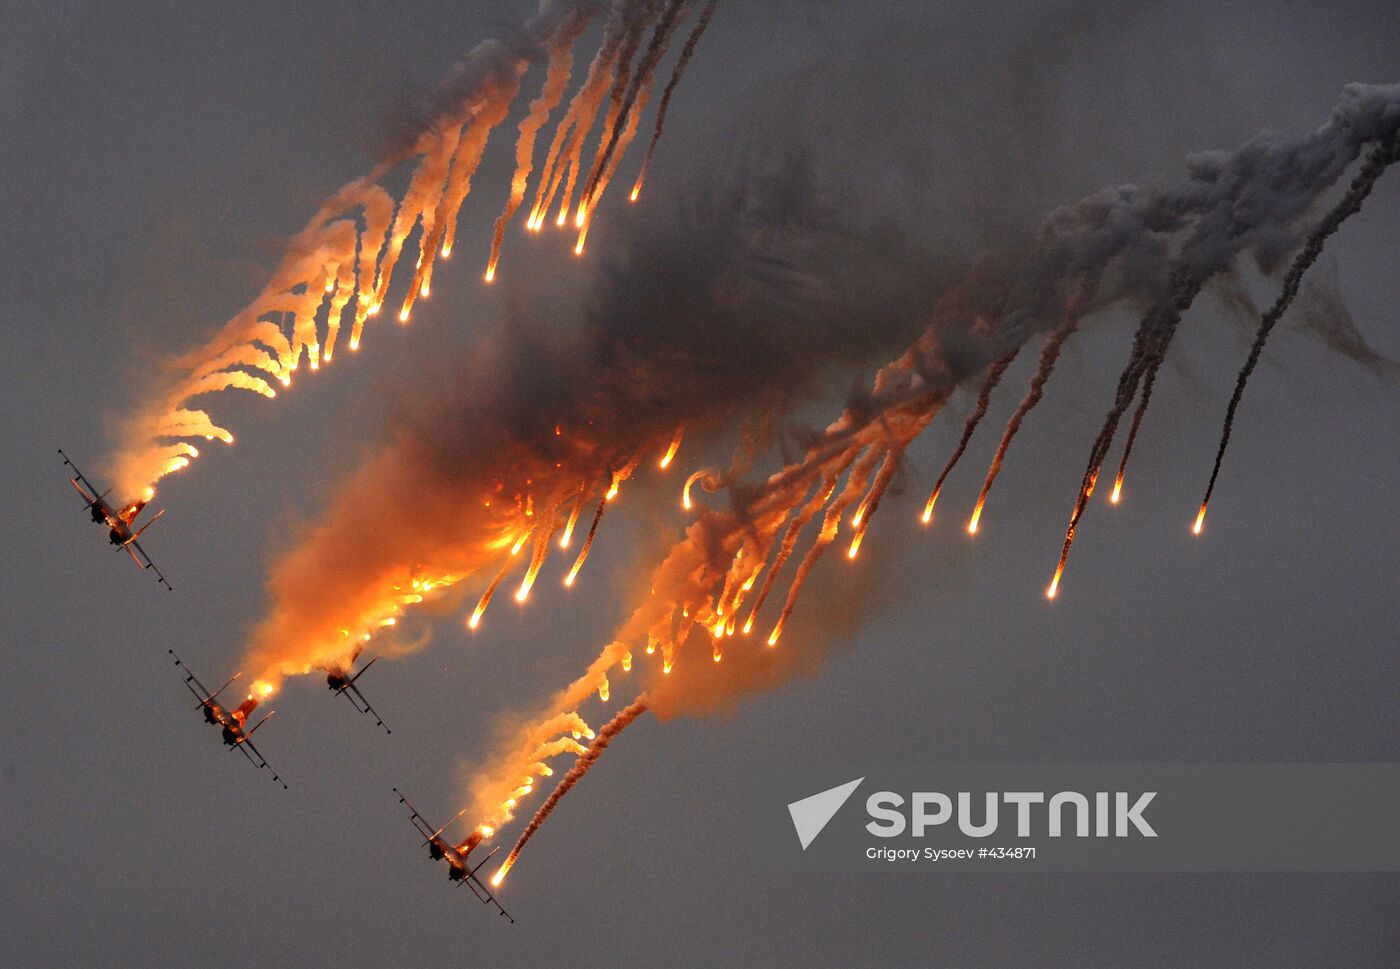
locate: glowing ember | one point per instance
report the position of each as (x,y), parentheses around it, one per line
(672,449)
(976,517)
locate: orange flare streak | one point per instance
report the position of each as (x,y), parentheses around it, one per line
(671,451)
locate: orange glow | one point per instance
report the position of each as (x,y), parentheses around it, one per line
(1200,520)
(403,315)
(671,451)
(1051,592)
(855,544)
(685,492)
(529,579)
(976,517)
(928,508)
(500,875)
(490,273)
(636,191)
(569,526)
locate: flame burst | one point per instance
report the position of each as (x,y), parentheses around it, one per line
(671,450)
(338,270)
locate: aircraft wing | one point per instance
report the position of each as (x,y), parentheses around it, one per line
(345,692)
(368,709)
(416,819)
(480,890)
(256,758)
(192,681)
(84,486)
(144,562)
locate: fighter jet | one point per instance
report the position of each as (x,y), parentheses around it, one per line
(440,849)
(120,522)
(232,724)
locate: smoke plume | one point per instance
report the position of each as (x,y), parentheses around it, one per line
(582,764)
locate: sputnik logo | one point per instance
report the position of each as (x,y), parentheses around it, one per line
(811,814)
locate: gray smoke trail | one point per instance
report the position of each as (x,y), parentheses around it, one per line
(1238,201)
(687,52)
(581,766)
(1154,332)
(1381,157)
(569,135)
(622,78)
(1045,366)
(984,397)
(1144,399)
(660,40)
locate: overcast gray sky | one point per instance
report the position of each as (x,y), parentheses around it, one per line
(157,155)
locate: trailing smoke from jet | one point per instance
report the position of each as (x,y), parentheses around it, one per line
(581,766)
